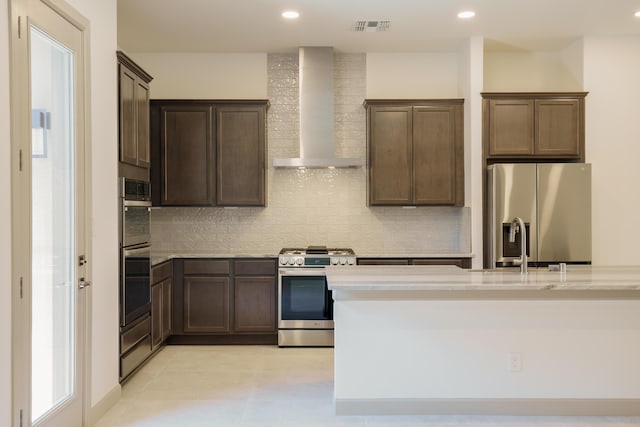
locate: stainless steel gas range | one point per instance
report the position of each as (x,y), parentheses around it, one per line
(305,306)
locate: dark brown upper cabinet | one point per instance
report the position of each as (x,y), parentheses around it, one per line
(240,161)
(415,152)
(208,153)
(544,126)
(183,174)
(133,109)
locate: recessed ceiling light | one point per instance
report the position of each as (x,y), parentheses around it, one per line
(466,14)
(290,14)
(637,14)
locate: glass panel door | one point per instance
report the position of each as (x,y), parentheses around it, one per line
(52,224)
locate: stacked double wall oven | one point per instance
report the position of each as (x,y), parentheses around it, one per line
(135,270)
(305,305)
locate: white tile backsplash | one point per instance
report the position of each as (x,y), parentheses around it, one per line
(315,206)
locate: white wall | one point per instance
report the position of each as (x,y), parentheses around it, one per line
(205,75)
(5,223)
(471,71)
(611,70)
(532,71)
(412,75)
(104,263)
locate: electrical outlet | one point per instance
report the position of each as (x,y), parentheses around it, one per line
(514,362)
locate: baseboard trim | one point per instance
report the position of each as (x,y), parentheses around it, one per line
(530,407)
(98,410)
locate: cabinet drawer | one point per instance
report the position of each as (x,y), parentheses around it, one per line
(460,262)
(161,271)
(255,267)
(134,335)
(135,357)
(381,261)
(206,267)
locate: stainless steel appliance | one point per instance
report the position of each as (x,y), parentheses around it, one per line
(553,200)
(135,274)
(305,305)
(135,265)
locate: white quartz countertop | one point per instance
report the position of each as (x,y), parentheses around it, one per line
(451,278)
(160,257)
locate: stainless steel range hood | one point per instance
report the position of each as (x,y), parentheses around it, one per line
(316,113)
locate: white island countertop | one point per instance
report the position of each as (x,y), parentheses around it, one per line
(454,279)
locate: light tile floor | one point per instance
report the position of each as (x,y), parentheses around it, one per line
(264,386)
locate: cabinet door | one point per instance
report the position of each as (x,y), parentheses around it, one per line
(156,315)
(390,165)
(240,155)
(128,137)
(142,124)
(187,155)
(206,304)
(255,304)
(557,127)
(167,301)
(437,143)
(511,127)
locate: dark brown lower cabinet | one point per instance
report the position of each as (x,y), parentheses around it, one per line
(460,262)
(225,301)
(206,304)
(167,308)
(254,304)
(384,261)
(161,301)
(156,315)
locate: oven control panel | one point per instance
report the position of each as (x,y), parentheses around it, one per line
(314,261)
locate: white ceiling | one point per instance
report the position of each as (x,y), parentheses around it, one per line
(416,25)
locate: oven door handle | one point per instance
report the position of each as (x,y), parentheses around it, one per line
(302,272)
(139,203)
(135,251)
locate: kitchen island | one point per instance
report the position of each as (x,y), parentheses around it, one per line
(443,340)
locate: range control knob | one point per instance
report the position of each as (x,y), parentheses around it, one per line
(351,261)
(334,261)
(299,261)
(343,261)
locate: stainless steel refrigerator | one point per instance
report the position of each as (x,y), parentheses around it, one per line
(554,201)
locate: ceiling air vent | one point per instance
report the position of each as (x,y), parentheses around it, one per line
(371,26)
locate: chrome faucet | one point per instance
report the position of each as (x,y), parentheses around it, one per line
(518,224)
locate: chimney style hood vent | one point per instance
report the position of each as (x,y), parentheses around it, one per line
(316,113)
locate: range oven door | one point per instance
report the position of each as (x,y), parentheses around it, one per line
(135,283)
(305,301)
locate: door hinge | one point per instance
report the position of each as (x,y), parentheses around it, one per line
(21,288)
(20,160)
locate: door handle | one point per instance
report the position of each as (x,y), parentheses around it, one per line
(83,283)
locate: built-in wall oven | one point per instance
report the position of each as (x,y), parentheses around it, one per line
(305,305)
(135,257)
(135,275)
